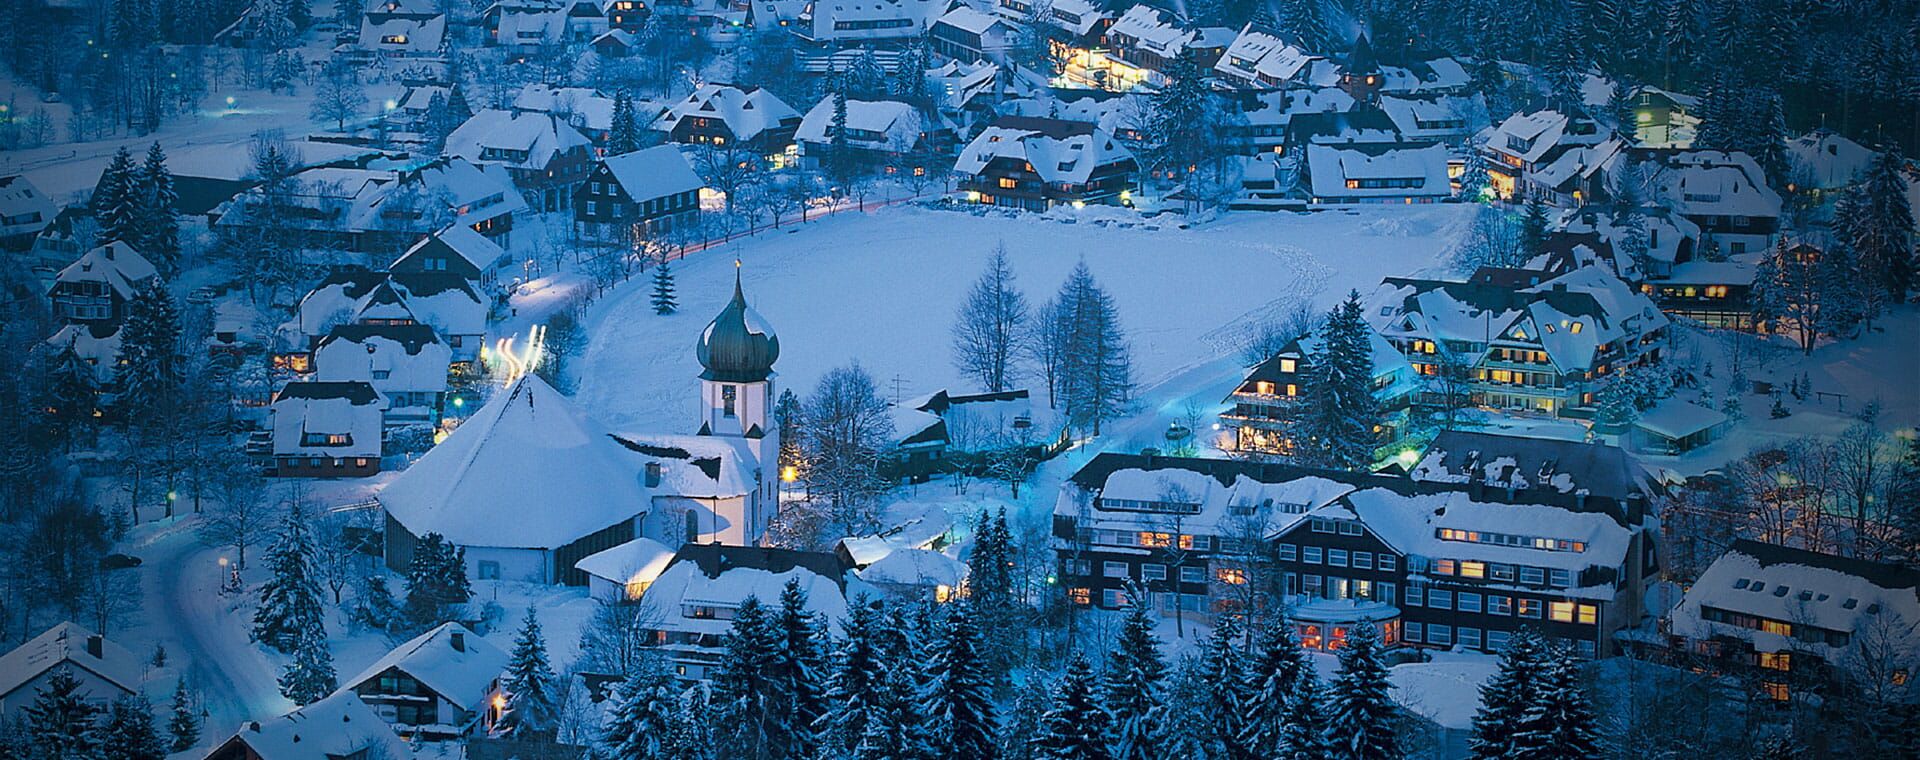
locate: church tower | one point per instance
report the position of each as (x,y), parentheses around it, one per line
(736,353)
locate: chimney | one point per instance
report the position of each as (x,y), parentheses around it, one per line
(653,474)
(96,646)
(459,641)
(253,726)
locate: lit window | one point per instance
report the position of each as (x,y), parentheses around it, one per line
(1080,596)
(1777,691)
(1473,570)
(1589,614)
(1288,365)
(1231,575)
(1443,567)
(1561,612)
(1776,660)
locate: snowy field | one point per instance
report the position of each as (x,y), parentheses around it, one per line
(882,289)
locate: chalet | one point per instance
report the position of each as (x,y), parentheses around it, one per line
(627,15)
(850,23)
(928,530)
(1665,240)
(1259,59)
(339,726)
(402,33)
(1266,116)
(1401,173)
(1664,118)
(411,112)
(1798,621)
(1543,349)
(1072,27)
(205,176)
(586,109)
(1558,157)
(446,301)
(323,429)
(616,43)
(458,251)
(879,133)
(1038,163)
(374,209)
(1141,43)
(623,573)
(654,190)
(1425,78)
(722,115)
(1266,402)
(1724,193)
(1467,570)
(405,361)
(690,606)
(439,685)
(716,20)
(24,212)
(967,34)
(106,671)
(543,154)
(915,575)
(1359,125)
(94,345)
(1446,119)
(95,289)
(960,85)
(526,25)
(1824,161)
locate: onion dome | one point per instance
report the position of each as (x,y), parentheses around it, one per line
(738,346)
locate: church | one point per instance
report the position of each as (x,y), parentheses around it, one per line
(529,485)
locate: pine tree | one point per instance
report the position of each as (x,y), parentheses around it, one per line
(689,736)
(641,724)
(1076,727)
(1134,674)
(1505,696)
(531,710)
(436,580)
(1275,677)
(151,372)
(1303,731)
(1616,411)
(116,200)
(159,227)
(71,395)
(1021,731)
(458,112)
(663,301)
(1096,366)
(377,608)
(788,414)
(856,691)
(130,732)
(743,695)
(1876,222)
(62,722)
(1534,226)
(958,703)
(841,165)
(1341,412)
(1360,711)
(624,134)
(309,676)
(990,568)
(865,78)
(1558,721)
(184,726)
(797,673)
(1185,729)
(1223,670)
(290,599)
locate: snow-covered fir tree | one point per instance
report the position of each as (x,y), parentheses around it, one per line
(1132,695)
(690,736)
(436,580)
(290,600)
(129,733)
(1340,412)
(62,722)
(1077,726)
(116,200)
(309,676)
(990,589)
(797,671)
(744,694)
(1303,730)
(70,393)
(1184,729)
(1534,226)
(624,134)
(640,726)
(1019,732)
(663,300)
(961,720)
(151,366)
(1360,710)
(856,691)
(1223,668)
(159,227)
(1506,696)
(1558,721)
(1876,221)
(531,708)
(183,728)
(1278,666)
(788,414)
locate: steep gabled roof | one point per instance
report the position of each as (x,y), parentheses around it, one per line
(461,674)
(68,643)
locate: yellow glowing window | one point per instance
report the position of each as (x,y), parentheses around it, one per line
(1589,614)
(1560,611)
(1577,326)
(1288,365)
(1148,538)
(1233,575)
(1776,660)
(1473,569)
(1008,183)
(1263,388)
(1777,691)
(1080,596)
(1186,542)
(1443,567)
(1293,390)
(1775,626)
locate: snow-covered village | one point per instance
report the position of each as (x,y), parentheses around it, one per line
(975,379)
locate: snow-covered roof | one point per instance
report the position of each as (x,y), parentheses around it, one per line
(919,532)
(843,20)
(448,302)
(338,726)
(1827,160)
(1668,234)
(1803,588)
(522,140)
(656,172)
(720,577)
(1716,183)
(962,82)
(531,28)
(97,344)
(69,644)
(419,197)
(1076,17)
(694,466)
(1711,273)
(1368,171)
(915,567)
(305,414)
(116,264)
(456,663)
(1570,316)
(1537,136)
(638,561)
(583,107)
(394,357)
(915,426)
(1501,461)
(403,35)
(1676,419)
(876,124)
(966,19)
(1060,151)
(1257,57)
(1433,117)
(458,240)
(1141,495)
(529,470)
(746,112)
(23,208)
(1145,27)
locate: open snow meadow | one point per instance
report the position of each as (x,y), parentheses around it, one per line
(882,288)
